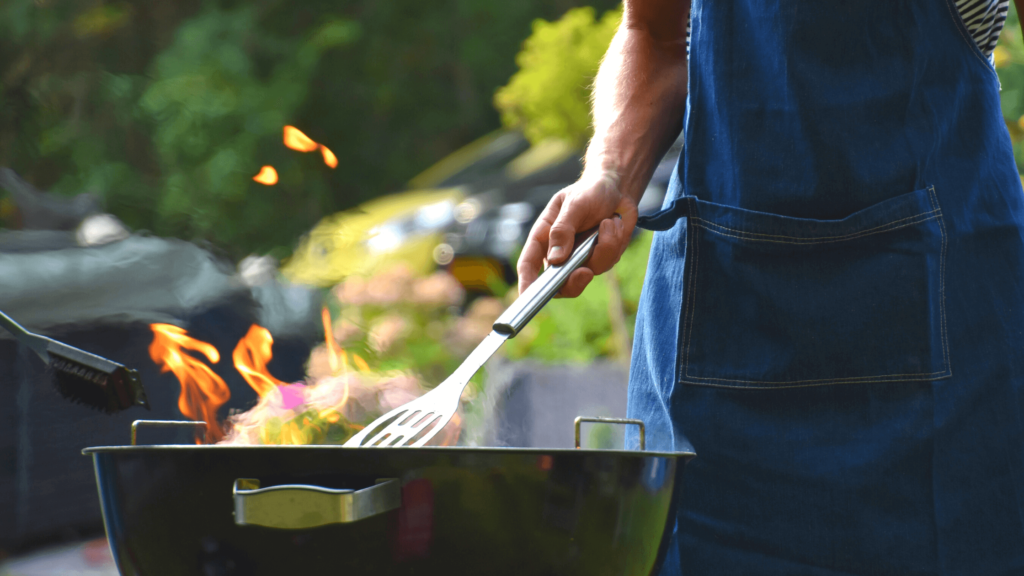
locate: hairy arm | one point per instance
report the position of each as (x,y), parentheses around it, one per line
(639,97)
(640,92)
(1019,4)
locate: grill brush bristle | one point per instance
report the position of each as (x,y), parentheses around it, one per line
(83,377)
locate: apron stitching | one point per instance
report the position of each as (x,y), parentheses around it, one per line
(810,241)
(784,385)
(875,377)
(692,295)
(844,236)
(942,281)
(957,23)
(691,298)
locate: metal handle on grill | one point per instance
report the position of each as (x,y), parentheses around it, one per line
(543,289)
(163,424)
(599,420)
(301,506)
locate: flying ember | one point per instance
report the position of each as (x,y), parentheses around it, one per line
(267,176)
(329,158)
(296,140)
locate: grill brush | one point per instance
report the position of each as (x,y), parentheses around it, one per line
(83,377)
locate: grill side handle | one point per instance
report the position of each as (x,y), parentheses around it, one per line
(302,506)
(601,420)
(164,424)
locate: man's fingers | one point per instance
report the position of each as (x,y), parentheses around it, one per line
(577,281)
(573,210)
(563,231)
(531,260)
(613,237)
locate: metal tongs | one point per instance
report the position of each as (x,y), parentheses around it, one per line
(410,424)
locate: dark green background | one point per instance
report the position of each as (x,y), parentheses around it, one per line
(167,109)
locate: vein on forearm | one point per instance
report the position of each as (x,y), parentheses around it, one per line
(639,95)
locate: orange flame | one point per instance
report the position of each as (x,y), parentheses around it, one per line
(202,390)
(251,355)
(334,352)
(296,140)
(267,176)
(329,158)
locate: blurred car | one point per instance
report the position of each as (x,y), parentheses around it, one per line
(470,213)
(480,163)
(405,227)
(398,228)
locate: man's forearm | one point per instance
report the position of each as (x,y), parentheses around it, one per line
(1019,4)
(640,93)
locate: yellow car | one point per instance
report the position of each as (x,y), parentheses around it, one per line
(399,228)
(405,227)
(424,227)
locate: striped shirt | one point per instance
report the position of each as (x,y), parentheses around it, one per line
(984,19)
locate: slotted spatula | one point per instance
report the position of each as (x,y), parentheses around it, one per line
(410,424)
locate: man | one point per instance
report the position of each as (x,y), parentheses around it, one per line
(833,313)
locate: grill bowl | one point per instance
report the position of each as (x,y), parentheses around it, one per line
(170,510)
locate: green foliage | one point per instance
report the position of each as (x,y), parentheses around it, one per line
(166,109)
(550,95)
(217,117)
(1009,57)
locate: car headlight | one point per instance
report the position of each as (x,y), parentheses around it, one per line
(509,229)
(434,216)
(467,211)
(519,212)
(386,237)
(390,235)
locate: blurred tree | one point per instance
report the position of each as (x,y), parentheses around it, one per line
(166,109)
(549,97)
(217,116)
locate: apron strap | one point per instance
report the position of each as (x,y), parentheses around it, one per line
(667,217)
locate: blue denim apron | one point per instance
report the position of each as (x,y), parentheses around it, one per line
(833,315)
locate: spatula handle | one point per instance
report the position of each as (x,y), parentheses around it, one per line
(543,289)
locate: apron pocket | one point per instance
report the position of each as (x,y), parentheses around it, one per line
(778,302)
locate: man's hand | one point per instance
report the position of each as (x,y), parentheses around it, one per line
(592,201)
(639,98)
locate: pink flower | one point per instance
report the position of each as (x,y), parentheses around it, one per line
(319,365)
(351,291)
(395,391)
(390,287)
(439,289)
(331,393)
(387,331)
